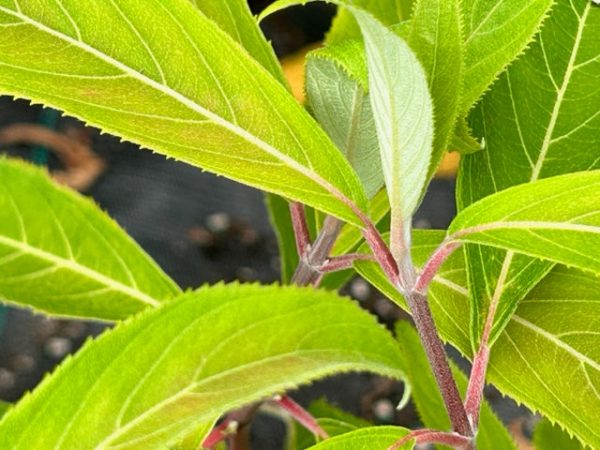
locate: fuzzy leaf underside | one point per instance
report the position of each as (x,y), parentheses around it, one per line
(540,119)
(556,219)
(492,434)
(164,380)
(549,346)
(209,103)
(375,438)
(60,254)
(341,105)
(496,32)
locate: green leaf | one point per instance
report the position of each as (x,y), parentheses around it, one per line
(198,356)
(340,102)
(194,440)
(4,407)
(540,119)
(492,434)
(389,12)
(235,18)
(551,437)
(403,113)
(331,419)
(61,255)
(372,438)
(208,103)
(436,38)
(463,141)
(549,346)
(496,32)
(556,218)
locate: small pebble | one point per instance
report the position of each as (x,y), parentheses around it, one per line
(74,329)
(384,307)
(58,347)
(246,274)
(384,410)
(359,289)
(218,222)
(7,379)
(22,363)
(422,224)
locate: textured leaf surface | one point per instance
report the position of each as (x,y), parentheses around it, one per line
(556,218)
(191,360)
(235,18)
(436,38)
(540,119)
(340,102)
(374,438)
(403,113)
(208,103)
(389,12)
(551,437)
(492,434)
(496,32)
(549,346)
(60,254)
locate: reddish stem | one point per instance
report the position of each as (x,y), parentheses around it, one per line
(301,232)
(301,415)
(335,263)
(434,437)
(432,266)
(220,433)
(476,385)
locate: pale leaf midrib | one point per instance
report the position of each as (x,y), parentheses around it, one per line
(166,90)
(524,224)
(63,263)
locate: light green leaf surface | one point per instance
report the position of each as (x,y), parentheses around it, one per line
(556,218)
(207,103)
(550,437)
(373,438)
(235,18)
(164,379)
(436,38)
(194,440)
(389,12)
(4,407)
(492,434)
(340,102)
(333,420)
(549,346)
(403,113)
(463,140)
(60,254)
(540,119)
(496,32)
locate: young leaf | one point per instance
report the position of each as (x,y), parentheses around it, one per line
(436,38)
(164,380)
(404,120)
(340,102)
(372,438)
(208,103)
(492,433)
(389,12)
(554,327)
(540,119)
(61,255)
(550,437)
(235,18)
(556,218)
(496,32)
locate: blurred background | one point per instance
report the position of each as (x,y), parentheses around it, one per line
(200,229)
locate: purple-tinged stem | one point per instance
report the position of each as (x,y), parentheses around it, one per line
(219,433)
(432,266)
(435,437)
(382,254)
(476,385)
(301,415)
(335,263)
(301,232)
(438,360)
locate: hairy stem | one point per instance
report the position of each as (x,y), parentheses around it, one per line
(434,437)
(434,348)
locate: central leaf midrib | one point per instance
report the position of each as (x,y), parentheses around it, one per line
(191,104)
(80,269)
